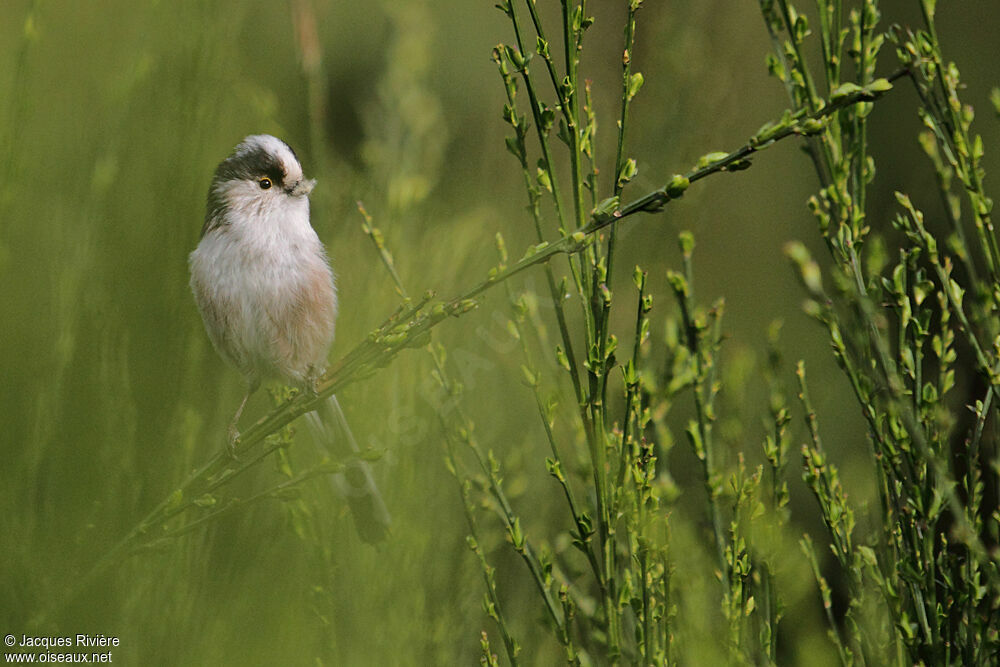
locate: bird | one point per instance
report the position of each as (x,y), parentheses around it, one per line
(262,281)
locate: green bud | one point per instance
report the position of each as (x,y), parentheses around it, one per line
(811,126)
(808,269)
(677,185)
(639,278)
(606,207)
(686,241)
(542,177)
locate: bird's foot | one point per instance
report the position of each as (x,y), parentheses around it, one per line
(234,441)
(313,376)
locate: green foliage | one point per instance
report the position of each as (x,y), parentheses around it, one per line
(931,532)
(526,424)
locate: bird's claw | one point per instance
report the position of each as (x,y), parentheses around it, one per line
(234,440)
(312,386)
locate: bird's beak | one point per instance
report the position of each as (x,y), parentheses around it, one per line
(302,188)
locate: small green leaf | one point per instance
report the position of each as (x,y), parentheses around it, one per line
(610,348)
(634,84)
(546,117)
(868,555)
(542,47)
(694,437)
(843,90)
(677,283)
(922,290)
(628,172)
(207,500)
(879,86)
(899,280)
(774,67)
(563,132)
(710,158)
(562,359)
(629,375)
(957,292)
(977,148)
(288,494)
(516,535)
(501,247)
(516,147)
(535,249)
(515,57)
(176,498)
(800,27)
(566,87)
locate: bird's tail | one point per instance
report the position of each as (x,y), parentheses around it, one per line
(357,486)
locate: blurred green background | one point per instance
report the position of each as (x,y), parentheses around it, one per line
(112,120)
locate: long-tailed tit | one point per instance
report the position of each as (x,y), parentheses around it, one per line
(265,289)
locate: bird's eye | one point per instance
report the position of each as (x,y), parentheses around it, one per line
(265,183)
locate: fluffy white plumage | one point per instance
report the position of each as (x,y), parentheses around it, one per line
(265,289)
(260,274)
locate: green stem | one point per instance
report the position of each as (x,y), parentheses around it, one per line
(622,124)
